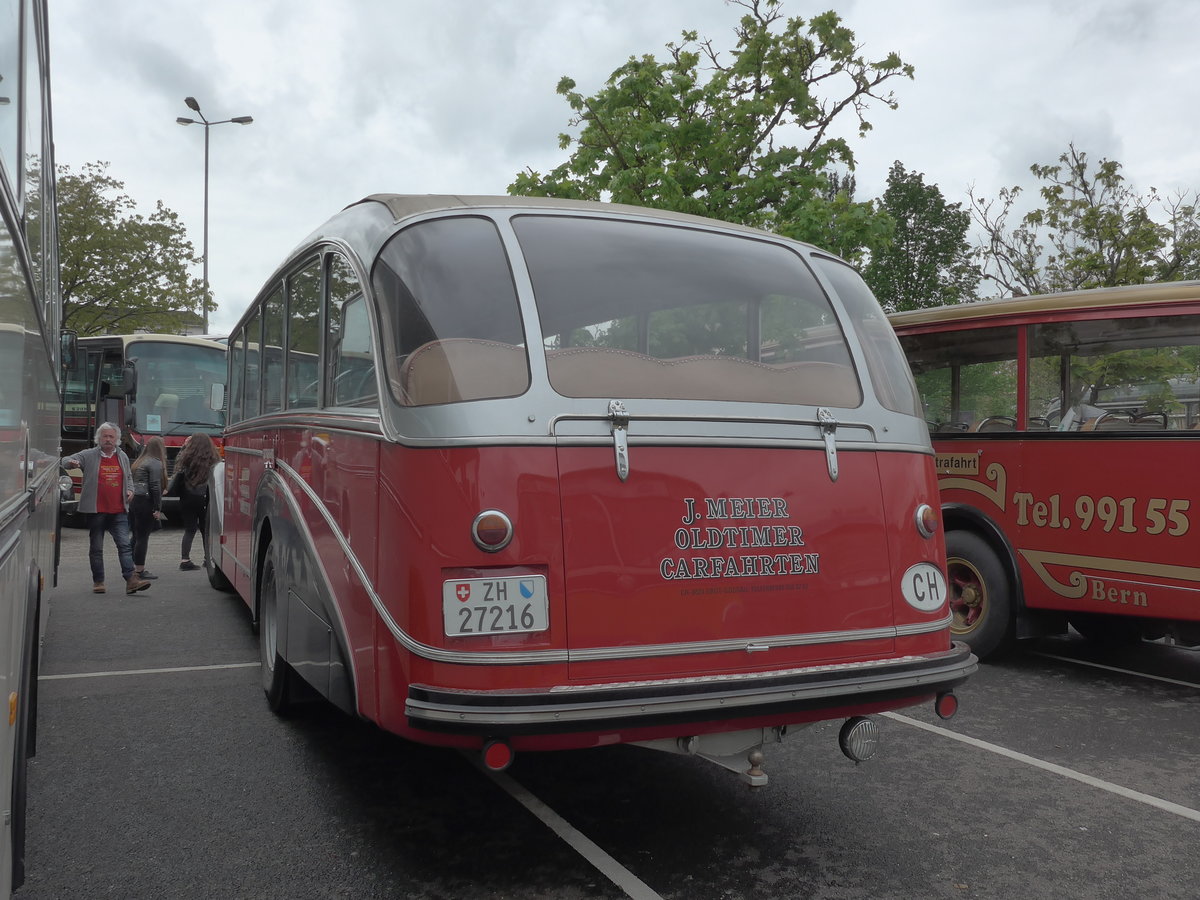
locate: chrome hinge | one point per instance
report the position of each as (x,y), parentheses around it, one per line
(620,433)
(828,431)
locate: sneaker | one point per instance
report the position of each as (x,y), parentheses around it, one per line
(98,587)
(147,574)
(188,566)
(135,584)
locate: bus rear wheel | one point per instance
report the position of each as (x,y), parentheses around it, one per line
(1109,632)
(980,594)
(277,676)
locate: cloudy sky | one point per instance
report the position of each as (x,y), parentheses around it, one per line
(357,97)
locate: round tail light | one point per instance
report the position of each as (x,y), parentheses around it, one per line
(492,530)
(927,520)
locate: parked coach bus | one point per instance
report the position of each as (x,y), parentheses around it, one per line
(1067,430)
(572,474)
(30,314)
(149,384)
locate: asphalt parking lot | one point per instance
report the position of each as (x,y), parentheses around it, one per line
(1068,773)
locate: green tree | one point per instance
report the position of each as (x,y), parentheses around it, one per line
(928,260)
(122,271)
(1092,230)
(700,134)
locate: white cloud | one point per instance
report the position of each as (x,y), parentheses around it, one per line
(397,95)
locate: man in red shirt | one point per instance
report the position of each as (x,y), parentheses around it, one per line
(104,497)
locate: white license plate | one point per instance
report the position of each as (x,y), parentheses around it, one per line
(495,605)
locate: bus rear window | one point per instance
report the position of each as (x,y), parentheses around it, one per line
(450,314)
(638,310)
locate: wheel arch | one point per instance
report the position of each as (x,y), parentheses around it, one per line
(960,516)
(312,639)
(1028,623)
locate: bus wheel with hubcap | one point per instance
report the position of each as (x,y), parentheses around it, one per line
(277,676)
(980,595)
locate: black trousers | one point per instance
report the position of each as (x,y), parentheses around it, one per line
(194,511)
(141,523)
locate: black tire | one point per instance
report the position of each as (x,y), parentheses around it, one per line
(278,679)
(1109,632)
(26,741)
(980,595)
(217,579)
(212,517)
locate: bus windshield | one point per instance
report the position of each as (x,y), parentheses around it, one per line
(173,387)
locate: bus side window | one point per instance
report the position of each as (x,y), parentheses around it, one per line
(237,366)
(304,318)
(272,359)
(351,360)
(253,349)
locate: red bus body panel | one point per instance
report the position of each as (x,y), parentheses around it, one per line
(1092,528)
(798,586)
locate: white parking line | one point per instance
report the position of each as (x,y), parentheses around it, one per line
(1158,803)
(146,671)
(1084,662)
(573,837)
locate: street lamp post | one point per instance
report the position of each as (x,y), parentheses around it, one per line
(237,120)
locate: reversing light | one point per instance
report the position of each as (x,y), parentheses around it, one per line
(492,530)
(927,520)
(859,738)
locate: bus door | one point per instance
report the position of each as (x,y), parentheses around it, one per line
(107,377)
(704,559)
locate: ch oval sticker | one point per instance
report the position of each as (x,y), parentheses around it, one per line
(924,587)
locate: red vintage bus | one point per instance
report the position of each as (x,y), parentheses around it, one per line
(540,474)
(1067,430)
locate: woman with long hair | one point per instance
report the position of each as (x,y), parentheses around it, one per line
(149,472)
(190,484)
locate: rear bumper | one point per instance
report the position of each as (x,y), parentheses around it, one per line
(791,695)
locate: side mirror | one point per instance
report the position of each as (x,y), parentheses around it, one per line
(68,348)
(129,379)
(216,397)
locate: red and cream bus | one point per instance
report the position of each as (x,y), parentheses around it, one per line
(1067,431)
(571,474)
(165,385)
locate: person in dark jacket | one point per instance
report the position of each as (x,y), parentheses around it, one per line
(190,484)
(104,499)
(149,472)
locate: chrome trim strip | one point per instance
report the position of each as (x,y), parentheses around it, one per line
(757,643)
(924,627)
(862,680)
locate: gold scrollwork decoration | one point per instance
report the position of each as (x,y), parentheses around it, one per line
(1076,583)
(995,492)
